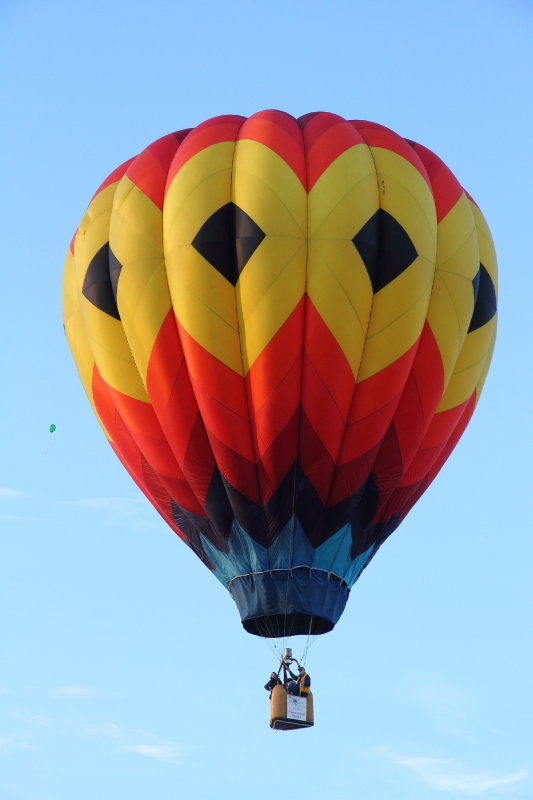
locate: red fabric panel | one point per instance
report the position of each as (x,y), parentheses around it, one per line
(328,362)
(379,389)
(222,402)
(373,405)
(379,136)
(316,462)
(421,396)
(236,469)
(284,399)
(442,430)
(212,131)
(277,358)
(273,385)
(349,477)
(455,435)
(326,136)
(174,402)
(430,464)
(445,187)
(276,461)
(150,169)
(388,467)
(136,433)
(327,390)
(282,134)
(129,454)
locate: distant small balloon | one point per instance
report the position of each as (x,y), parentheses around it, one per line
(52,428)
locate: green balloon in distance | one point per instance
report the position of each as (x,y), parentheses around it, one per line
(52,428)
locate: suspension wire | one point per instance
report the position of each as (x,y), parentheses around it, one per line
(272,647)
(263,632)
(269,628)
(270,631)
(263,627)
(268,634)
(311,642)
(306,648)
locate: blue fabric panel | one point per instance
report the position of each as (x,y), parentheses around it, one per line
(290,549)
(301,590)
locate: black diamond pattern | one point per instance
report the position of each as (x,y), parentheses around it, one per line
(484,299)
(115,268)
(385,248)
(99,284)
(228,240)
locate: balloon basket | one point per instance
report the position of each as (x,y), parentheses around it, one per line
(289,712)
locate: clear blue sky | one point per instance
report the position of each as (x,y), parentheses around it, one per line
(124,671)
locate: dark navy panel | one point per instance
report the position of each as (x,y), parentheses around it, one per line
(227,240)
(97,285)
(288,602)
(385,248)
(484,299)
(115,268)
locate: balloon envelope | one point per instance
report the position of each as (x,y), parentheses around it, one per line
(283,327)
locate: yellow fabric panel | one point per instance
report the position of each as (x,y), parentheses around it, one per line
(273,280)
(342,200)
(268,190)
(487,253)
(340,289)
(452,298)
(486,365)
(105,334)
(203,300)
(398,315)
(405,194)
(469,367)
(211,330)
(200,187)
(344,197)
(143,298)
(278,301)
(71,306)
(75,333)
(399,308)
(487,256)
(473,360)
(457,249)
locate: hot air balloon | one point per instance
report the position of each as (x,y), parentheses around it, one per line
(283,327)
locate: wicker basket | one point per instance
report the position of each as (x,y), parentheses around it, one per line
(278,711)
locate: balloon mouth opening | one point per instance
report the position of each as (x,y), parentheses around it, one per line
(276,626)
(289,602)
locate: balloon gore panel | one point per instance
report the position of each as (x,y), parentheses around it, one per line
(283,327)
